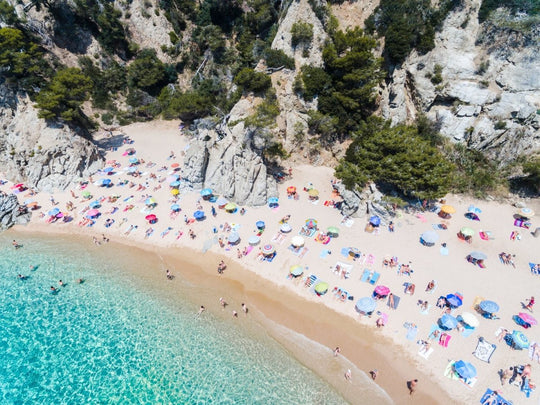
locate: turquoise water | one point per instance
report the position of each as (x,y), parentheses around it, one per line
(115,339)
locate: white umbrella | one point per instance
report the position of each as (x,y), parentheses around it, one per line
(470,319)
(297,241)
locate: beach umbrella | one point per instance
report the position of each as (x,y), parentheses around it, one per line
(430,237)
(32,204)
(92,213)
(95,204)
(86,194)
(296,270)
(273,201)
(151,218)
(233,238)
(333,231)
(104,182)
(28,201)
(527,318)
(108,170)
(254,240)
(466,231)
(54,212)
(221,202)
(133,160)
(230,207)
(173,177)
(465,369)
(366,305)
(291,189)
(375,220)
(311,223)
(268,249)
(454,300)
(18,185)
(313,192)
(285,228)
(520,340)
(175,207)
(354,252)
(206,192)
(150,201)
(175,191)
(130,151)
(297,241)
(448,322)
(132,169)
(175,165)
(175,183)
(448,209)
(198,215)
(478,255)
(470,319)
(321,288)
(260,224)
(489,306)
(526,213)
(382,290)
(308,186)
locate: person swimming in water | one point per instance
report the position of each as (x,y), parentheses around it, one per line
(21,277)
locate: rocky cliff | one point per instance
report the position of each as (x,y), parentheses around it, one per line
(40,155)
(11,213)
(481,83)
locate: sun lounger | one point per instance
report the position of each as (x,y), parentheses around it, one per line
(365,276)
(374,278)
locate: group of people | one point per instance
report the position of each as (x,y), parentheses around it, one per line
(507,258)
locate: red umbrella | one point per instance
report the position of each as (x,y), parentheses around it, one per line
(291,189)
(527,318)
(175,165)
(17,185)
(150,217)
(382,290)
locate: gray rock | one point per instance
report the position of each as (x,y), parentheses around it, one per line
(11,213)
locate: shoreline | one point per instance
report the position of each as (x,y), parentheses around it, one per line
(344,327)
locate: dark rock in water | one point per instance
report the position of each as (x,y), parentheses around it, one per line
(11,213)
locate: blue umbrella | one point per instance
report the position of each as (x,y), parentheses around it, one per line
(234,238)
(221,202)
(198,215)
(174,183)
(478,255)
(133,160)
(150,201)
(28,201)
(430,237)
(108,170)
(260,224)
(206,191)
(273,200)
(132,169)
(94,204)
(54,212)
(520,340)
(366,305)
(454,300)
(489,306)
(448,322)
(375,220)
(105,182)
(465,369)
(175,207)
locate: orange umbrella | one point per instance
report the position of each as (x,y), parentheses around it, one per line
(448,209)
(291,189)
(175,165)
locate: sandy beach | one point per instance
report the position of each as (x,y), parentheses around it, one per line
(277,299)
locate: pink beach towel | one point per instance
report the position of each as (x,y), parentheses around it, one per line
(248,250)
(445,339)
(421,217)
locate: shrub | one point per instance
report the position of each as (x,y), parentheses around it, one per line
(276,58)
(147,72)
(250,80)
(301,33)
(500,125)
(436,78)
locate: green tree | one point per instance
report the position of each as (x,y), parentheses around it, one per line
(532,170)
(250,80)
(64,95)
(315,81)
(147,72)
(301,33)
(7,13)
(395,157)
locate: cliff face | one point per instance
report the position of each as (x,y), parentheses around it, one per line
(41,156)
(11,213)
(487,92)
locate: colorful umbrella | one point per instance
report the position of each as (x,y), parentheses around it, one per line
(150,201)
(206,192)
(291,189)
(311,223)
(273,200)
(382,290)
(527,318)
(466,231)
(150,217)
(333,231)
(448,322)
(430,237)
(268,249)
(285,228)
(32,204)
(489,306)
(470,319)
(108,170)
(526,213)
(296,270)
(105,182)
(173,177)
(221,202)
(454,300)
(198,215)
(366,305)
(95,204)
(448,209)
(53,212)
(175,165)
(175,183)
(18,185)
(230,207)
(321,288)
(175,191)
(133,160)
(86,194)
(465,369)
(234,238)
(520,340)
(313,192)
(297,241)
(92,213)
(254,240)
(375,220)
(175,207)
(260,224)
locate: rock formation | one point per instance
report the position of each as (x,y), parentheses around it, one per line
(11,213)
(43,156)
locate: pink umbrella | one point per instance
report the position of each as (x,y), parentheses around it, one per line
(150,217)
(92,213)
(527,318)
(19,185)
(382,290)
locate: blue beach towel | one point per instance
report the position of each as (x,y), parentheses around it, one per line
(365,276)
(345,251)
(412,332)
(467,332)
(444,251)
(324,253)
(374,278)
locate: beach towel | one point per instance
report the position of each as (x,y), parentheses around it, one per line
(426,311)
(412,331)
(533,268)
(444,251)
(467,332)
(532,355)
(324,253)
(295,250)
(444,340)
(345,251)
(434,327)
(270,258)
(310,280)
(396,302)
(425,354)
(278,238)
(370,261)
(484,350)
(489,395)
(421,217)
(365,276)
(248,250)
(374,278)
(302,252)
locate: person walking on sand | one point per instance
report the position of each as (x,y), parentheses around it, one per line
(337,350)
(201,310)
(411,385)
(234,314)
(222,302)
(244,308)
(348,375)
(374,373)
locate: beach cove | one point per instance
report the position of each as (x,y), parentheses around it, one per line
(268,290)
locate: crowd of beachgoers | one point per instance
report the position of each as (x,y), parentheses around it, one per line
(452,283)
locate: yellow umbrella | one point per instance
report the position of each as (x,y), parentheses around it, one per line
(174,191)
(448,209)
(313,193)
(230,206)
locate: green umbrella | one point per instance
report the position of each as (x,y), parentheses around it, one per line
(296,270)
(86,193)
(333,230)
(466,231)
(230,206)
(321,288)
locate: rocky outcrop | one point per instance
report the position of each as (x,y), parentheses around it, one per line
(11,213)
(487,94)
(229,162)
(40,155)
(363,204)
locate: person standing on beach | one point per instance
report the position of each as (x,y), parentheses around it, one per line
(201,310)
(244,308)
(373,373)
(411,385)
(337,350)
(348,375)
(222,302)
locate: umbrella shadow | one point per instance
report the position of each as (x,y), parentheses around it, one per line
(111,142)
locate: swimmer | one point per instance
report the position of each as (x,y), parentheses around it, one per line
(16,244)
(21,277)
(53,290)
(201,310)
(61,283)
(80,280)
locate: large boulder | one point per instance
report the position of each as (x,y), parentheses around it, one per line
(11,213)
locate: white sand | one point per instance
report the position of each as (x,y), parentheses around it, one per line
(501,283)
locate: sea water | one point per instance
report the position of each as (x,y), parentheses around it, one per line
(115,338)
